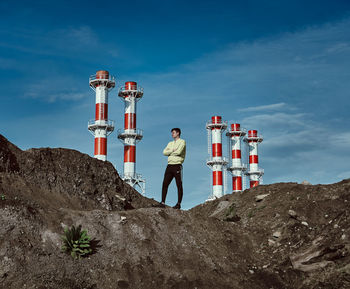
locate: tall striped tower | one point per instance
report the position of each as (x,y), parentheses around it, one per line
(236,167)
(130,136)
(216,162)
(255,173)
(101,127)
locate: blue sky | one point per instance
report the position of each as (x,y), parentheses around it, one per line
(281,67)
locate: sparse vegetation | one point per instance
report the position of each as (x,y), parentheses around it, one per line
(253,211)
(2,197)
(231,214)
(231,210)
(76,242)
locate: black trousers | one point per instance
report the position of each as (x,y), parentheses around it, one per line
(173,171)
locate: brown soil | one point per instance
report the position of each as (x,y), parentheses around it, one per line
(296,236)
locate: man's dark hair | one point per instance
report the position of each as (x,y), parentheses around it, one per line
(177,130)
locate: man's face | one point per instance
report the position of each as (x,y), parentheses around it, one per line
(174,134)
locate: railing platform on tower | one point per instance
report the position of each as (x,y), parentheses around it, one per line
(102,124)
(137,135)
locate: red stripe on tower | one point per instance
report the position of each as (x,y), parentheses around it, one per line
(129,154)
(101,112)
(100,146)
(237,184)
(254,184)
(217,178)
(130,121)
(236,154)
(217,149)
(253,159)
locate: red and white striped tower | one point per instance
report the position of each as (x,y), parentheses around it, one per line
(255,173)
(237,168)
(216,162)
(101,127)
(130,136)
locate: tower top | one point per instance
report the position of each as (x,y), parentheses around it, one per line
(216,123)
(253,136)
(102,78)
(216,119)
(236,130)
(131,85)
(235,127)
(131,89)
(102,74)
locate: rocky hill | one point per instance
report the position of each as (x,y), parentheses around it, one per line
(283,235)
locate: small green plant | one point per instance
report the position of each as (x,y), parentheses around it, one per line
(76,242)
(231,214)
(2,197)
(231,210)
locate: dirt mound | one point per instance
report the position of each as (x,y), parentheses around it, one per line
(299,232)
(275,236)
(55,178)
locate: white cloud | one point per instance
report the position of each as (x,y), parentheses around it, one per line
(72,42)
(275,120)
(56,87)
(342,139)
(275,106)
(81,35)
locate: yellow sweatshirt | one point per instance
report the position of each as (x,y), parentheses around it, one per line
(176,152)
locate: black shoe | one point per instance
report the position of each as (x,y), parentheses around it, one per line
(177,206)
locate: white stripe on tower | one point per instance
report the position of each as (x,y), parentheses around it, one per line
(101,83)
(237,167)
(254,172)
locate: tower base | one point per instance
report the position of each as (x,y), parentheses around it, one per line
(136,181)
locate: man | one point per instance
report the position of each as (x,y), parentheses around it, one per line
(176,152)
